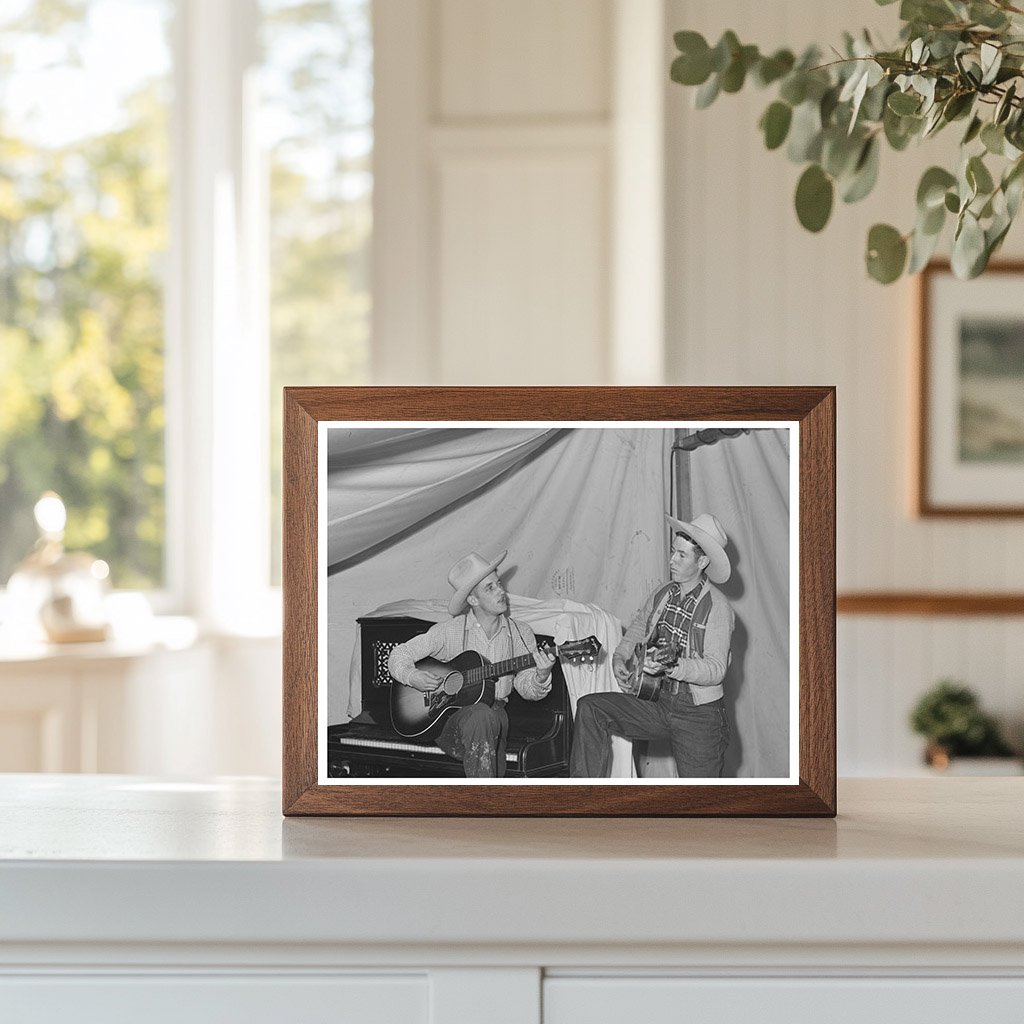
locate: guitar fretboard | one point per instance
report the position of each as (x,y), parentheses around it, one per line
(501,668)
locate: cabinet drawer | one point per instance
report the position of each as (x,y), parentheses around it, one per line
(569,1000)
(202,999)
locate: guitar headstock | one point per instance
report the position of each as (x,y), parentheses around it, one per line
(580,652)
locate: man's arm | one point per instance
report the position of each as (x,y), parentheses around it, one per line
(709,670)
(635,632)
(403,657)
(532,683)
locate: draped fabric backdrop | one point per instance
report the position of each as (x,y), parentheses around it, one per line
(744,481)
(581,512)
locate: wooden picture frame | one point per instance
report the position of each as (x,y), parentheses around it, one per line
(970,393)
(806,414)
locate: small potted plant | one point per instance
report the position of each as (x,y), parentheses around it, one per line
(950,718)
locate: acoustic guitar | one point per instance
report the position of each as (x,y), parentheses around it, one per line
(467,679)
(647,685)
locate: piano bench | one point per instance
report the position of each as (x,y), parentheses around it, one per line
(368,746)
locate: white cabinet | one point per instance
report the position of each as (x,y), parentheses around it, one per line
(204,999)
(128,898)
(826,1000)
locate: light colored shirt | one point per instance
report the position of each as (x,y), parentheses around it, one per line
(447,640)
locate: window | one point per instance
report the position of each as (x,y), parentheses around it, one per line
(83,235)
(317,118)
(185,221)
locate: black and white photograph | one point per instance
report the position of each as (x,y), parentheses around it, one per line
(526,603)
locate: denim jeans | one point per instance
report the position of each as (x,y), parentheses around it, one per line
(476,736)
(698,733)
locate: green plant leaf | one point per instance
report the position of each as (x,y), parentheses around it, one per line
(968,248)
(931,191)
(735,74)
(725,50)
(922,247)
(993,138)
(693,65)
(973,129)
(814,194)
(987,15)
(865,173)
(794,89)
(904,103)
(952,202)
(978,176)
(805,133)
(887,253)
(707,93)
(991,60)
(771,69)
(775,124)
(839,151)
(1004,106)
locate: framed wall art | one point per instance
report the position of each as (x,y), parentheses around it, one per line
(559,601)
(970,450)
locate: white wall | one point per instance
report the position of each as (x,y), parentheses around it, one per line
(754,299)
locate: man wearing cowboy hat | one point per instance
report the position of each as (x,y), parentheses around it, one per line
(476,734)
(693,622)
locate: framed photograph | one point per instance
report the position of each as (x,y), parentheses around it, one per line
(559,601)
(971,393)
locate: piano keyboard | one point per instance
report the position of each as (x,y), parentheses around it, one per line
(413,748)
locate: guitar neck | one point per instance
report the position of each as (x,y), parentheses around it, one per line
(505,668)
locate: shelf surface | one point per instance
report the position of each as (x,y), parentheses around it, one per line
(127,859)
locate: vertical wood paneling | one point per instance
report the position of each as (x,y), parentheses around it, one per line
(754,299)
(517,292)
(531,58)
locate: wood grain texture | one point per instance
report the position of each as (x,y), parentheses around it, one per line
(299,596)
(812,407)
(925,603)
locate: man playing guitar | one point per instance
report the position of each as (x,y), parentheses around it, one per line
(476,734)
(683,632)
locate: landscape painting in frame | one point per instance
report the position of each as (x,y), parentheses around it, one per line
(971,446)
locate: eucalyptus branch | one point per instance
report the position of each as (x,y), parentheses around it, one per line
(833,118)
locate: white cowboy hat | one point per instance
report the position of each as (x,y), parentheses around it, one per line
(465,574)
(707,532)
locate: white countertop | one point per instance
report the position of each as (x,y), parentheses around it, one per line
(123,859)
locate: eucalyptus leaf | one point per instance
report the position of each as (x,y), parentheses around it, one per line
(952,202)
(993,138)
(707,93)
(932,221)
(903,103)
(865,173)
(978,176)
(794,88)
(968,247)
(805,133)
(724,51)
(886,253)
(972,132)
(771,69)
(839,152)
(814,195)
(1004,106)
(931,190)
(775,123)
(991,60)
(922,248)
(987,15)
